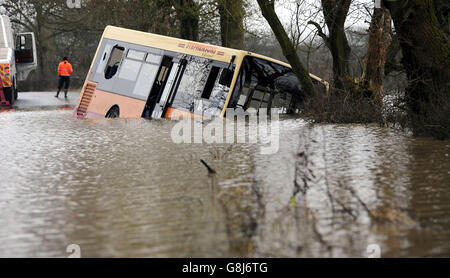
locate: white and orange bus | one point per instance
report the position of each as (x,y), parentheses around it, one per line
(136,74)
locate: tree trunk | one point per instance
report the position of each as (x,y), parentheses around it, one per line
(426,58)
(161,18)
(379,41)
(335,13)
(46,74)
(443,14)
(232,23)
(392,63)
(188,14)
(268,11)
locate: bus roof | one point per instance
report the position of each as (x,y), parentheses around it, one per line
(209,51)
(173,44)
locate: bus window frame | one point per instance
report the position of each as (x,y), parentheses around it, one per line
(242,83)
(117,85)
(131,50)
(197,98)
(109,67)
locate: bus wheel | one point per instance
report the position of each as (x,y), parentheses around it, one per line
(114,112)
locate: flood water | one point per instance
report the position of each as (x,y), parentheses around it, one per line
(122,188)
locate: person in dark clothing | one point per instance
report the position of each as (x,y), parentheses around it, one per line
(64,71)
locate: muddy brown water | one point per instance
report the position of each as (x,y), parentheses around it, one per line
(122,188)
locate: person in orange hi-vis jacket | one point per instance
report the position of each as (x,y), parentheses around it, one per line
(64,71)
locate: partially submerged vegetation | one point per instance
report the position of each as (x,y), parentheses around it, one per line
(422,31)
(343,107)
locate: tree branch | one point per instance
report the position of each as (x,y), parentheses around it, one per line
(320,31)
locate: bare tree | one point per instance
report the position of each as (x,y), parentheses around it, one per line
(268,10)
(426,59)
(36,16)
(335,14)
(188,13)
(232,23)
(379,41)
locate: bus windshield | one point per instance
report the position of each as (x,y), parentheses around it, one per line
(264,84)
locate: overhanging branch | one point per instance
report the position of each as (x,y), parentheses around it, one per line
(319,31)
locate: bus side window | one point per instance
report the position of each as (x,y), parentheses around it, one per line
(114,61)
(259,98)
(214,73)
(237,90)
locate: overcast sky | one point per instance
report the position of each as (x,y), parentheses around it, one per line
(358,18)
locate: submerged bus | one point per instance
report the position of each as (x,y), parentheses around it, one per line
(136,74)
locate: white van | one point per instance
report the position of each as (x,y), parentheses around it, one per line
(17,58)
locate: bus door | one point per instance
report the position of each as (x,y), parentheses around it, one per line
(159,85)
(169,76)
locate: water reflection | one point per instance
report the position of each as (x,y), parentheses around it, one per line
(354,187)
(121,188)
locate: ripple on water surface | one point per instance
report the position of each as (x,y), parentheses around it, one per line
(122,188)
